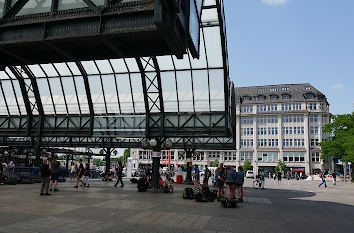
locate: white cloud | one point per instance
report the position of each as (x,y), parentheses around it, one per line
(274,2)
(338,86)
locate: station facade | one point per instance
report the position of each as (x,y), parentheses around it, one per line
(273,122)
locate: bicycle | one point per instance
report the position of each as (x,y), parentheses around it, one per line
(257,184)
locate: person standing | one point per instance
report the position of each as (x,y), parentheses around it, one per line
(219,177)
(73,170)
(55,167)
(229,179)
(334,176)
(239,180)
(262,179)
(196,176)
(80,174)
(288,175)
(45,174)
(279,176)
(323,177)
(207,174)
(87,175)
(119,174)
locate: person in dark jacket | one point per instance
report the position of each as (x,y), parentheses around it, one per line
(45,174)
(119,174)
(239,180)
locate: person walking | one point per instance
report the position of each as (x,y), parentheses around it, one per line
(334,176)
(87,175)
(55,167)
(207,174)
(80,174)
(73,170)
(323,177)
(119,174)
(288,175)
(45,175)
(279,176)
(196,176)
(239,180)
(262,179)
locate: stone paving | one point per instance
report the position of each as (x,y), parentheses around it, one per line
(299,207)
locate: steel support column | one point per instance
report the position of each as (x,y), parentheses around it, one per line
(189,155)
(108,161)
(88,94)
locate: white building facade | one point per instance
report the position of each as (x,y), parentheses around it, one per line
(275,122)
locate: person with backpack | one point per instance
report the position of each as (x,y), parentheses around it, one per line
(87,175)
(262,179)
(207,174)
(239,180)
(119,174)
(196,176)
(45,174)
(279,176)
(323,177)
(288,176)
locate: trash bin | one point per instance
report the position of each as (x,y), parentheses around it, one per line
(179,179)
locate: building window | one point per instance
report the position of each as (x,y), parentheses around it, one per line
(313,118)
(307,88)
(246,98)
(285,96)
(273,89)
(294,156)
(284,88)
(261,97)
(246,156)
(246,120)
(246,108)
(309,96)
(312,106)
(260,90)
(273,97)
(315,156)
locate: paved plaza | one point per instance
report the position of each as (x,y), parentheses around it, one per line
(300,207)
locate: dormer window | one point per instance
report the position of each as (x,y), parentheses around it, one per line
(284,88)
(285,96)
(260,90)
(246,98)
(273,97)
(273,89)
(307,88)
(261,97)
(309,96)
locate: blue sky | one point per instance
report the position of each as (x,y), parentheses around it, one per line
(294,41)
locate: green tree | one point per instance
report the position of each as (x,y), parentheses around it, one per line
(123,159)
(97,161)
(341,146)
(281,166)
(247,165)
(215,163)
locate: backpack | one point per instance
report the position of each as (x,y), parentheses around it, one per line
(208,194)
(228,203)
(201,197)
(188,193)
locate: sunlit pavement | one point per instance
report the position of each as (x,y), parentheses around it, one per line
(299,207)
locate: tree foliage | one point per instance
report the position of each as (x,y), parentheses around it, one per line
(215,163)
(123,159)
(341,146)
(281,166)
(247,165)
(97,161)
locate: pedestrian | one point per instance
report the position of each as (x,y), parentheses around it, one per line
(87,175)
(288,175)
(262,179)
(219,174)
(207,174)
(279,177)
(119,174)
(323,177)
(45,175)
(73,170)
(230,176)
(55,167)
(80,174)
(334,176)
(239,180)
(196,176)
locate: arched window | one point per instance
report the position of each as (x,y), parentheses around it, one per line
(309,96)
(285,96)
(261,97)
(273,97)
(246,98)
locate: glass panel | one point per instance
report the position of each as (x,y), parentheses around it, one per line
(2,3)
(125,98)
(37,71)
(217,90)
(35,7)
(74,68)
(70,95)
(3,75)
(209,3)
(71,4)
(209,15)
(49,70)
(119,65)
(169,92)
(90,67)
(110,92)
(10,97)
(3,110)
(138,93)
(58,96)
(213,46)
(182,63)
(81,92)
(63,69)
(194,25)
(132,66)
(201,90)
(104,67)
(184,84)
(201,62)
(19,97)
(98,2)
(165,63)
(97,95)
(45,96)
